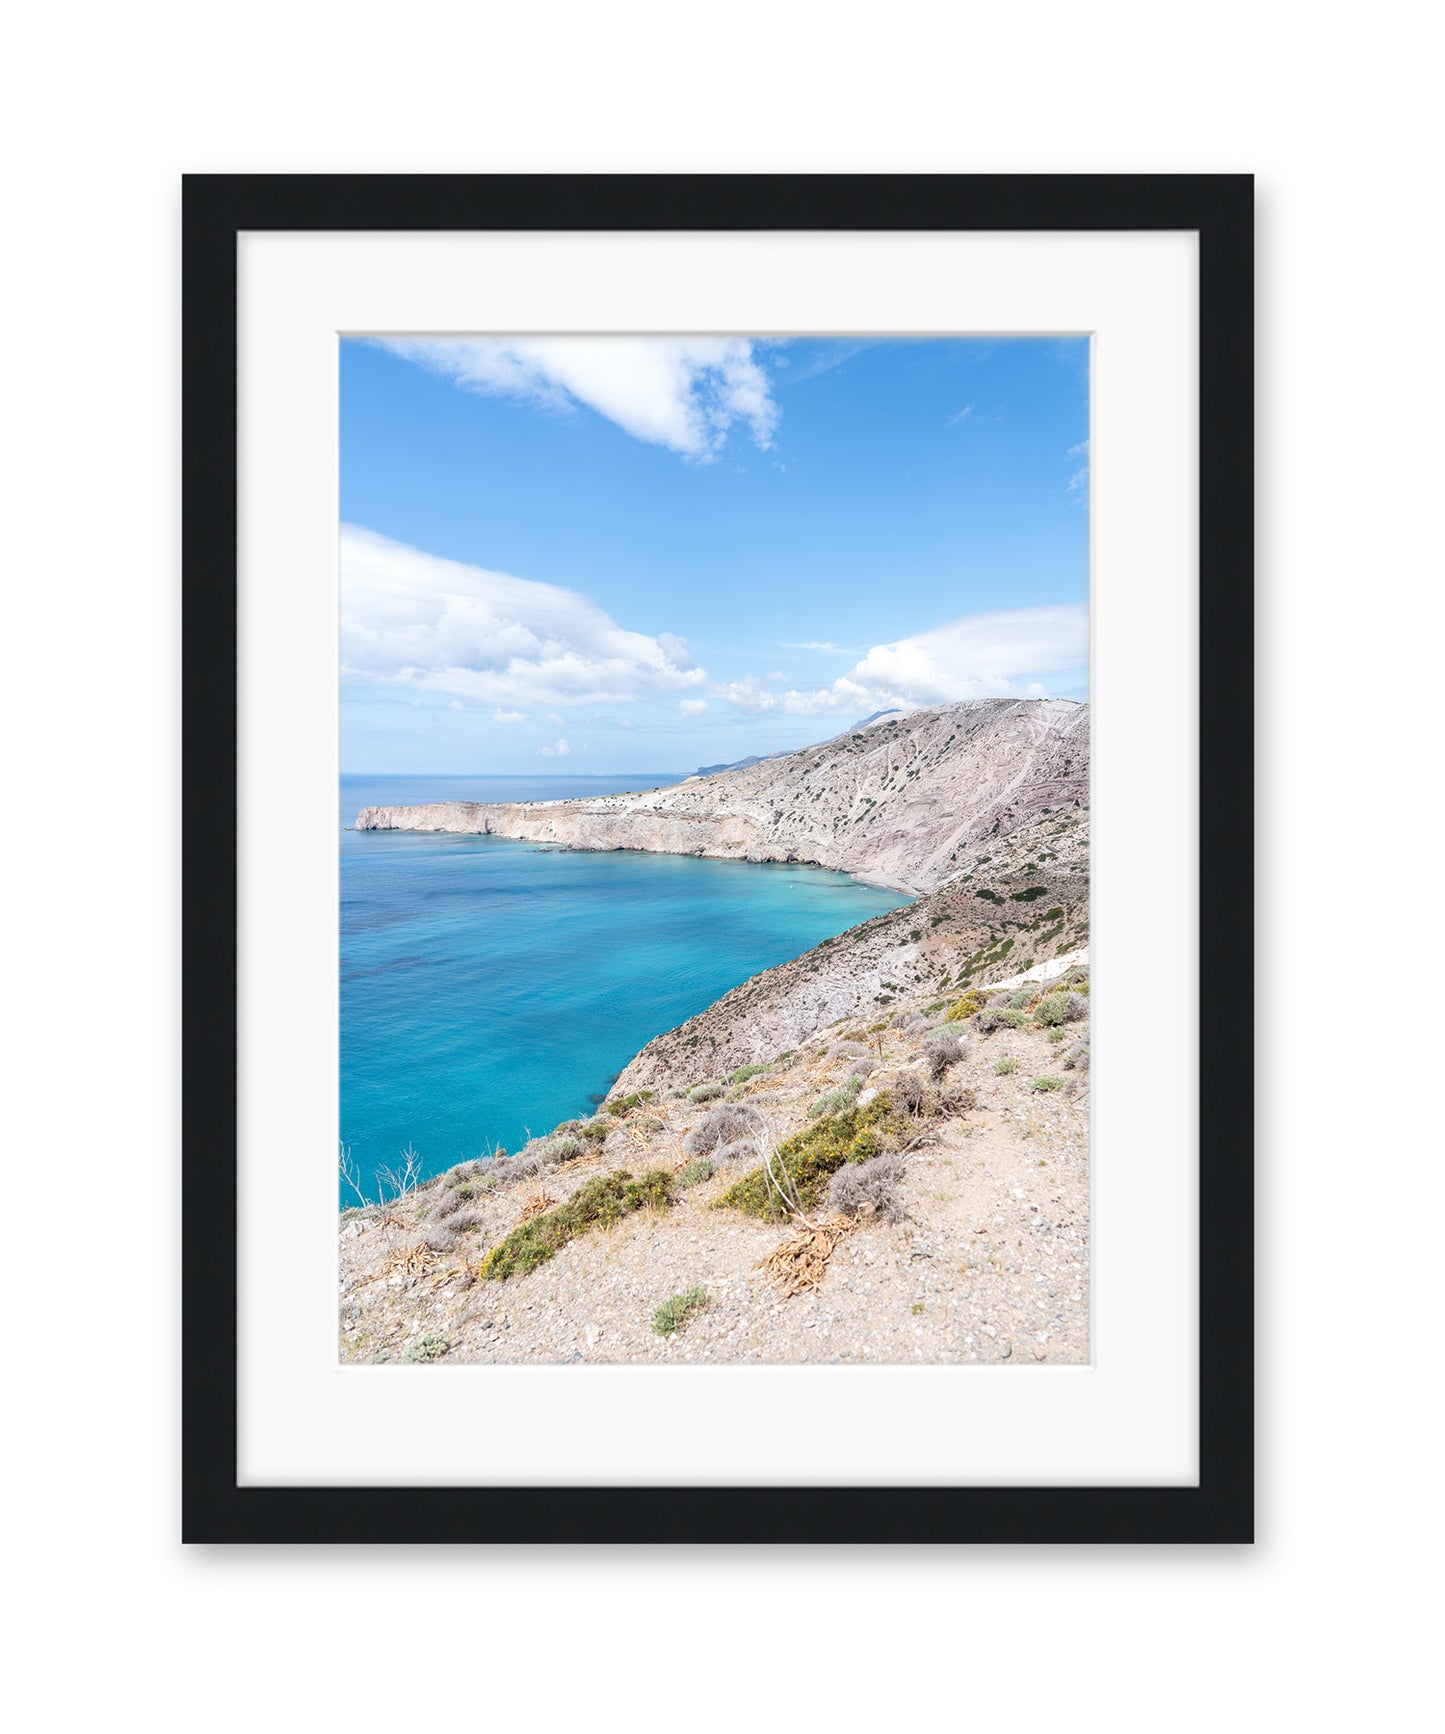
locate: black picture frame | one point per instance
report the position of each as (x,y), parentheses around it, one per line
(216,209)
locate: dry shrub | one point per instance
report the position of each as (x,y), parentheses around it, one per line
(415,1260)
(535,1205)
(912,1095)
(942,1051)
(740,1147)
(800,1262)
(725,1124)
(869,1189)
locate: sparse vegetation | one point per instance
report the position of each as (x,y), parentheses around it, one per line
(430,1347)
(603,1201)
(1043,1084)
(694,1174)
(811,1157)
(743,1073)
(677,1309)
(841,1096)
(706,1092)
(1006,1065)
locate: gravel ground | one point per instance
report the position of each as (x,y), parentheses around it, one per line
(989,1264)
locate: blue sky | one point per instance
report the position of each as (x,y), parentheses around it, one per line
(646,554)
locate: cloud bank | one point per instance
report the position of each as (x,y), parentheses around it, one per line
(684,393)
(1009,653)
(412,620)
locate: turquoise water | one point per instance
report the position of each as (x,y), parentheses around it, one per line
(489,988)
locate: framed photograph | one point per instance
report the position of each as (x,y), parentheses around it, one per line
(718,858)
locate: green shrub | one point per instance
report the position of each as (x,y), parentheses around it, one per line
(1057,1035)
(1006,1065)
(695,1173)
(625,1104)
(963,1008)
(562,1149)
(1047,1084)
(594,1131)
(600,1203)
(677,1309)
(705,1092)
(837,1099)
(1054,1009)
(428,1348)
(1019,1001)
(809,1158)
(743,1073)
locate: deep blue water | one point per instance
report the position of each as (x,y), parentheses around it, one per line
(492,987)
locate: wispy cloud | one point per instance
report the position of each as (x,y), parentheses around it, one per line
(1078,483)
(817,644)
(685,393)
(1004,654)
(962,415)
(692,706)
(411,620)
(823,360)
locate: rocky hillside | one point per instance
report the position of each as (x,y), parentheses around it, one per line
(1019,903)
(908,802)
(929,1201)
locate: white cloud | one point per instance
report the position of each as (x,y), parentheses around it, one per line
(692,706)
(1005,654)
(412,620)
(752,695)
(507,717)
(681,392)
(558,751)
(818,644)
(962,415)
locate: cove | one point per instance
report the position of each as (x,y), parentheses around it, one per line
(491,988)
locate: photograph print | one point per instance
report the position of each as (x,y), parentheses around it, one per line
(714,850)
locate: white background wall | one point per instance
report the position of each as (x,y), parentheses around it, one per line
(1323,1623)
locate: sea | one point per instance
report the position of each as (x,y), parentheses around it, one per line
(491,988)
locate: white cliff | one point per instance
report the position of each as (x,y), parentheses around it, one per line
(906,802)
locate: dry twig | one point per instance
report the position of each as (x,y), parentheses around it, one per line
(535,1205)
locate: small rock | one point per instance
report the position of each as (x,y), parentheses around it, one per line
(1005,1350)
